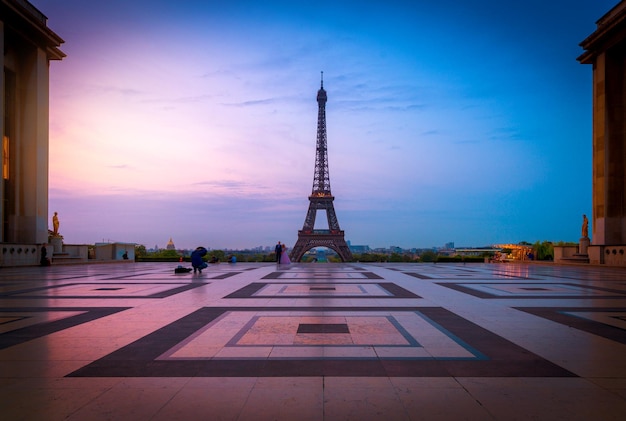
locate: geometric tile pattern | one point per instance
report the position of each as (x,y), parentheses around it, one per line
(609,322)
(313,341)
(219,341)
(24,324)
(103,290)
(325,274)
(535,290)
(320,290)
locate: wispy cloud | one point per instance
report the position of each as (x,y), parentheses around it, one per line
(200,123)
(252,103)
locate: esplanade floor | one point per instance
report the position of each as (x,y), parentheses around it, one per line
(134,341)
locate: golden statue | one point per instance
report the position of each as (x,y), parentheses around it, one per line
(585,228)
(55,225)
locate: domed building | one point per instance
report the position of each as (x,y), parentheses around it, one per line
(170,245)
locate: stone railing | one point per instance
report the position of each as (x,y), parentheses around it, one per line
(608,255)
(18,254)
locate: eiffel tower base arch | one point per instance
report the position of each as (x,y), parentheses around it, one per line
(308,240)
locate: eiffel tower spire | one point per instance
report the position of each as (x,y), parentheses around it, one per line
(321,178)
(321,198)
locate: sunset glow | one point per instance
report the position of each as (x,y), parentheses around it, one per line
(447,121)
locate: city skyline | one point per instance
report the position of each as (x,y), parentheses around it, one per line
(270,248)
(197,121)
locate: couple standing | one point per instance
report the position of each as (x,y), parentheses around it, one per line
(282,258)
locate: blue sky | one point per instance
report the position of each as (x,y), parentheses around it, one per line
(447,121)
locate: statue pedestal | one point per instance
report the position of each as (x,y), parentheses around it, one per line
(583,245)
(57,244)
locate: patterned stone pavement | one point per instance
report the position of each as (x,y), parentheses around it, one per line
(313,341)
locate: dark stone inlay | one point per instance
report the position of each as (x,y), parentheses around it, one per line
(417,275)
(144,276)
(329,275)
(575,294)
(273,275)
(559,315)
(323,328)
(322,289)
(248,291)
(35,292)
(394,290)
(535,289)
(18,336)
(397,291)
(455,276)
(499,357)
(225,275)
(14,319)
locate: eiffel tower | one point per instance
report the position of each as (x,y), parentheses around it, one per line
(321,199)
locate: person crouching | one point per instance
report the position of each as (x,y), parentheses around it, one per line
(196,259)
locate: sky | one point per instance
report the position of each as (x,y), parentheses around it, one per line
(447,121)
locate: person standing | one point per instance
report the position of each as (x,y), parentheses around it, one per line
(284,257)
(44,256)
(279,251)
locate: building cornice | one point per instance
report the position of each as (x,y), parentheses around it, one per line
(25,19)
(610,29)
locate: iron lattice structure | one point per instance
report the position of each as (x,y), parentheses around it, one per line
(321,199)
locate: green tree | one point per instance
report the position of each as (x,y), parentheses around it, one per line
(428,256)
(543,250)
(140,250)
(167,254)
(219,254)
(268,257)
(565,243)
(369,257)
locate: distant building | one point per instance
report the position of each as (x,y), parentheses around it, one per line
(28,47)
(170,245)
(359,249)
(516,251)
(605,50)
